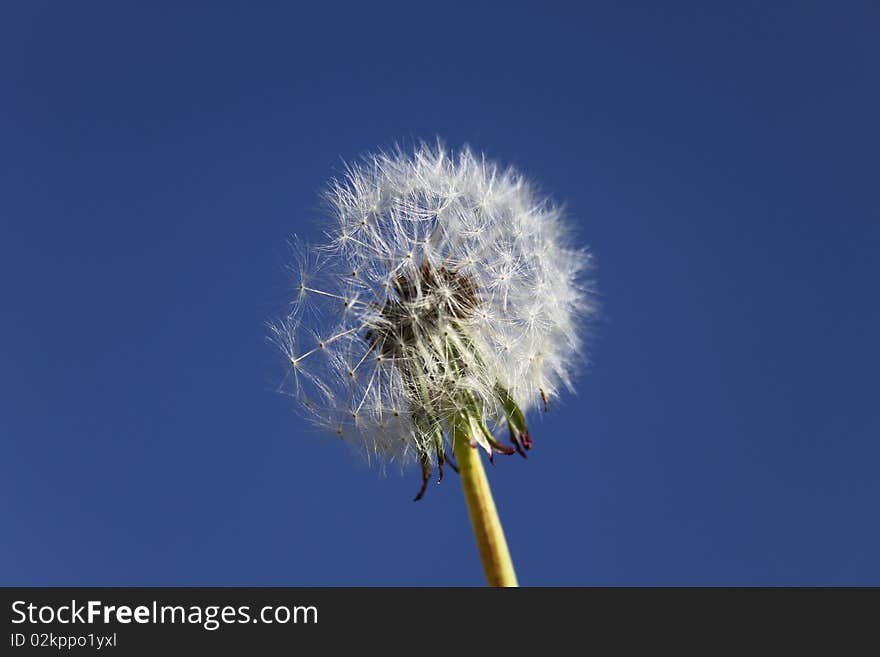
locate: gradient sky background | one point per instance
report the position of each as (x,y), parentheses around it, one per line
(720,161)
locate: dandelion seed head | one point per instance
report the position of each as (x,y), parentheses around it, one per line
(446,286)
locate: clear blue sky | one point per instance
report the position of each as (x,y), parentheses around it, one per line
(720,160)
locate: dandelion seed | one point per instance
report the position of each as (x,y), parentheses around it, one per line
(497,274)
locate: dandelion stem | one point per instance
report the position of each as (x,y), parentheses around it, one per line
(484,516)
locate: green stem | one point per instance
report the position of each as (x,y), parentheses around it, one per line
(484,516)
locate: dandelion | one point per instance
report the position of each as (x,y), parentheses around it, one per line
(445,304)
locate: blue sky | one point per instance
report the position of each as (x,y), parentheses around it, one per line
(719,158)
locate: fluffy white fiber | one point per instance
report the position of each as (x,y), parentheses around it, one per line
(447,291)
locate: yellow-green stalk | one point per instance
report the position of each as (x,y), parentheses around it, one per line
(488,531)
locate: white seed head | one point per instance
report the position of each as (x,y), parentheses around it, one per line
(445,288)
